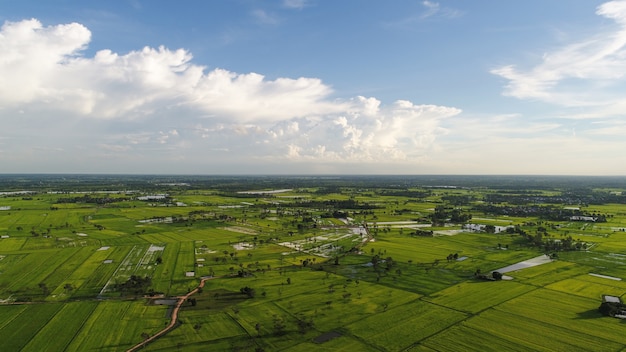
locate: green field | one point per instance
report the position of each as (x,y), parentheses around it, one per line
(330,265)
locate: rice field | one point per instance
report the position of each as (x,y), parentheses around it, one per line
(319,282)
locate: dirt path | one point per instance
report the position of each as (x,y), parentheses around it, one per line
(174,318)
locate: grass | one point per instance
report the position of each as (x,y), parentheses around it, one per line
(422,302)
(25,325)
(57,334)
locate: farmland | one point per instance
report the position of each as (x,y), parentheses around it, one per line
(92,263)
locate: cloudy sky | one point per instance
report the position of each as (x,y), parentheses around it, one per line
(313,87)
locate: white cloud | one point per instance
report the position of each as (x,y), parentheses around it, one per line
(434,9)
(30,53)
(156,104)
(265,18)
(581,74)
(431,8)
(295,4)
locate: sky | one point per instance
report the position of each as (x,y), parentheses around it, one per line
(313,87)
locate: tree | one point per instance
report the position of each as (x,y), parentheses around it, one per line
(279,325)
(304,325)
(249,291)
(44,288)
(135,284)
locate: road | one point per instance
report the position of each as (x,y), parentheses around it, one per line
(174,317)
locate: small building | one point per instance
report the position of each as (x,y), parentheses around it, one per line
(612,306)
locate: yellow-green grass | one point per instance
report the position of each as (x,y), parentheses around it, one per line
(166,272)
(200,327)
(574,316)
(590,286)
(544,274)
(11,244)
(24,275)
(342,343)
(94,273)
(405,325)
(533,333)
(462,337)
(57,334)
(115,326)
(25,325)
(81,268)
(186,258)
(63,273)
(475,296)
(10,312)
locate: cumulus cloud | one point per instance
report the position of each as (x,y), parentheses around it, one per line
(156,103)
(580,74)
(41,67)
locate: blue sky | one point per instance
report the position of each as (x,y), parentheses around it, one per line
(313,87)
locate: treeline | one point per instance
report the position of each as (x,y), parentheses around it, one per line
(543,212)
(444,214)
(335,204)
(404,193)
(91,200)
(574,197)
(544,240)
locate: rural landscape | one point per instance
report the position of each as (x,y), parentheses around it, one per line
(337,263)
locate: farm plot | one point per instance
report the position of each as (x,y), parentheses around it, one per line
(25,325)
(475,296)
(423,279)
(115,326)
(338,344)
(57,334)
(537,334)
(94,273)
(64,271)
(337,302)
(186,259)
(23,276)
(10,312)
(328,243)
(548,273)
(575,318)
(11,244)
(203,327)
(140,261)
(463,338)
(589,286)
(418,320)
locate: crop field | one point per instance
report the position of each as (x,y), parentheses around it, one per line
(329,265)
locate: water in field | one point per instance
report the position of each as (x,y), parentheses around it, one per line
(542,259)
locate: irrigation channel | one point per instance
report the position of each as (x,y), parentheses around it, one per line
(174,317)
